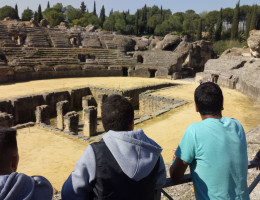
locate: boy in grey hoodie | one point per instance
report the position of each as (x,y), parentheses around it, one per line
(125,164)
(18,186)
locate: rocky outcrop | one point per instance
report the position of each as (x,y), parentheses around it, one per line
(237,72)
(169,43)
(254,43)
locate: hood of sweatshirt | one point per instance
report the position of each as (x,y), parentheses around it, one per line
(135,153)
(20,186)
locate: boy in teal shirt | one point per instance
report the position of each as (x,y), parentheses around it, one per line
(215,149)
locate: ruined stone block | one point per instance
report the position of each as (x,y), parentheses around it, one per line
(76,97)
(6,120)
(42,114)
(100,99)
(62,108)
(71,122)
(6,106)
(90,121)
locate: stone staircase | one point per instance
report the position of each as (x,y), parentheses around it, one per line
(59,38)
(37,37)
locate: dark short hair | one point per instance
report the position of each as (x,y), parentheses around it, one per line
(209,99)
(117,113)
(8,146)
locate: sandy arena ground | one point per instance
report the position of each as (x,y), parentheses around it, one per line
(54,156)
(8,91)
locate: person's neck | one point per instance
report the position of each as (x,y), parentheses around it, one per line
(203,117)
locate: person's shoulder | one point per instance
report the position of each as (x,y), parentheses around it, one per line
(43,188)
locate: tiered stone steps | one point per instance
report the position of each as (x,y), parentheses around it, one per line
(59,38)
(37,37)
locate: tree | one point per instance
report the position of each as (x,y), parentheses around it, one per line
(73,13)
(39,14)
(235,21)
(83,7)
(199,31)
(248,21)
(253,18)
(35,16)
(54,15)
(7,11)
(102,16)
(48,4)
(136,29)
(16,12)
(94,9)
(219,27)
(27,14)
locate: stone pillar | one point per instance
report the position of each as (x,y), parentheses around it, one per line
(6,120)
(62,108)
(90,122)
(86,102)
(42,114)
(71,122)
(100,99)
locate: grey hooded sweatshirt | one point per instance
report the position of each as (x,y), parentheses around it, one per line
(135,153)
(18,186)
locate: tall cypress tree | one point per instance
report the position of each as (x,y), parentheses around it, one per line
(248,21)
(16,12)
(136,23)
(111,12)
(94,9)
(48,4)
(253,19)
(199,31)
(35,16)
(102,16)
(83,7)
(235,21)
(219,27)
(39,14)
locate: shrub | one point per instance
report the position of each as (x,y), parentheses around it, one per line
(220,46)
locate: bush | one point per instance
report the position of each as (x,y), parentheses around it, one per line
(220,46)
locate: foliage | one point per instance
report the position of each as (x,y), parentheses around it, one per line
(253,19)
(219,27)
(235,21)
(54,15)
(87,19)
(39,14)
(7,11)
(220,46)
(83,7)
(94,9)
(27,14)
(102,16)
(199,31)
(73,13)
(16,12)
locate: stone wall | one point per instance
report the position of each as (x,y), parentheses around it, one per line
(236,72)
(23,108)
(151,104)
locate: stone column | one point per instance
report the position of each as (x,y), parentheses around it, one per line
(100,99)
(86,102)
(90,122)
(42,114)
(71,122)
(6,120)
(62,108)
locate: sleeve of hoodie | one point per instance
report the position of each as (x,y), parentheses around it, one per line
(161,175)
(42,189)
(77,186)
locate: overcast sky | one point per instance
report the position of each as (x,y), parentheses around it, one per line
(123,5)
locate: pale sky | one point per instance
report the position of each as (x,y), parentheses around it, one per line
(123,5)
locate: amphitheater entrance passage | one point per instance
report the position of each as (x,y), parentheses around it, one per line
(152,72)
(125,71)
(214,78)
(140,59)
(74,41)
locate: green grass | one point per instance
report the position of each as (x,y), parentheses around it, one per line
(220,46)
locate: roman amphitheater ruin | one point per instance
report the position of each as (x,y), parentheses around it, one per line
(54,80)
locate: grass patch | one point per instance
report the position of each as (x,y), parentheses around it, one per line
(220,46)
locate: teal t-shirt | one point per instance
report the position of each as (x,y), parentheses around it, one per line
(216,150)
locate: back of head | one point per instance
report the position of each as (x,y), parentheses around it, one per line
(8,148)
(117,113)
(209,99)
